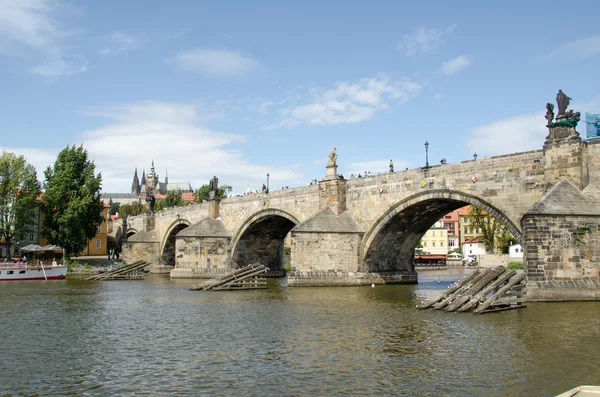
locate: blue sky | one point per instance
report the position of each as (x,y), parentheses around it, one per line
(242,89)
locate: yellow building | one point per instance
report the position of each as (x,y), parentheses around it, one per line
(435,240)
(468,231)
(98,244)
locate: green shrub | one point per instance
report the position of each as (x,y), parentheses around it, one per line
(287,267)
(287,250)
(515,265)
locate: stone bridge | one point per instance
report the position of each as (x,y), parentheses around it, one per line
(363,231)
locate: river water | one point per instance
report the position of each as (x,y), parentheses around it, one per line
(156,337)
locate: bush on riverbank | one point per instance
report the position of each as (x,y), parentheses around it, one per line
(515,265)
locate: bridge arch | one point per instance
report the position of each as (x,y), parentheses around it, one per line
(389,243)
(131,232)
(260,238)
(167,245)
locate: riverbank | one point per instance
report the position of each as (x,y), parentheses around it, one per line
(91,265)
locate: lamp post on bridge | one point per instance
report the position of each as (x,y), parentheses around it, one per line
(267,182)
(475,156)
(426,154)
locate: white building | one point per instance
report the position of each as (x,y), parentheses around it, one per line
(515,252)
(473,246)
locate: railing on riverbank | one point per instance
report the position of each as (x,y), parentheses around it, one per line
(249,277)
(134,271)
(484,291)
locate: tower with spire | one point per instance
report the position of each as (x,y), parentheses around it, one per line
(135,185)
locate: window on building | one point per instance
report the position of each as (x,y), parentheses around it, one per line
(30,236)
(451,243)
(441,243)
(98,243)
(424,243)
(433,233)
(98,229)
(433,243)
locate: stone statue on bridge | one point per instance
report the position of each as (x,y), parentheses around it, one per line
(214,184)
(563,103)
(332,157)
(549,113)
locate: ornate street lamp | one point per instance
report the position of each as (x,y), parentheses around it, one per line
(475,156)
(426,154)
(267,182)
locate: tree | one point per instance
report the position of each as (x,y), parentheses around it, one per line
(114,207)
(172,199)
(201,194)
(504,241)
(493,233)
(72,200)
(19,189)
(133,209)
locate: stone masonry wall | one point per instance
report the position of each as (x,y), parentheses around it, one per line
(559,248)
(325,252)
(206,253)
(511,183)
(565,160)
(145,251)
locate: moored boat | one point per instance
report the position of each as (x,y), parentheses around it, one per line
(23,271)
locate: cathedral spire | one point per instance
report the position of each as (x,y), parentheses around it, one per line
(143,183)
(166,177)
(135,185)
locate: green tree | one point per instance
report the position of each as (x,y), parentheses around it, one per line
(504,241)
(114,207)
(72,200)
(493,233)
(173,199)
(132,209)
(201,194)
(19,188)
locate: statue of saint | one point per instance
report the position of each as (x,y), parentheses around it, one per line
(214,184)
(391,166)
(549,113)
(150,201)
(332,157)
(563,102)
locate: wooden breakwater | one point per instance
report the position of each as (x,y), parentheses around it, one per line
(249,277)
(484,291)
(134,271)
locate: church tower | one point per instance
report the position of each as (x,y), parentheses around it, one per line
(135,185)
(143,182)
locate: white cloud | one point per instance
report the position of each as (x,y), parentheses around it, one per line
(374,167)
(169,133)
(119,42)
(455,65)
(348,102)
(583,48)
(219,63)
(520,133)
(424,40)
(31,27)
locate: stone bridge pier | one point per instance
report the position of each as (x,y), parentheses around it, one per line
(364,231)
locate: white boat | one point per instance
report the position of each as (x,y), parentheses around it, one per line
(23,271)
(582,391)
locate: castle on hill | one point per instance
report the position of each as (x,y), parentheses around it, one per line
(138,187)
